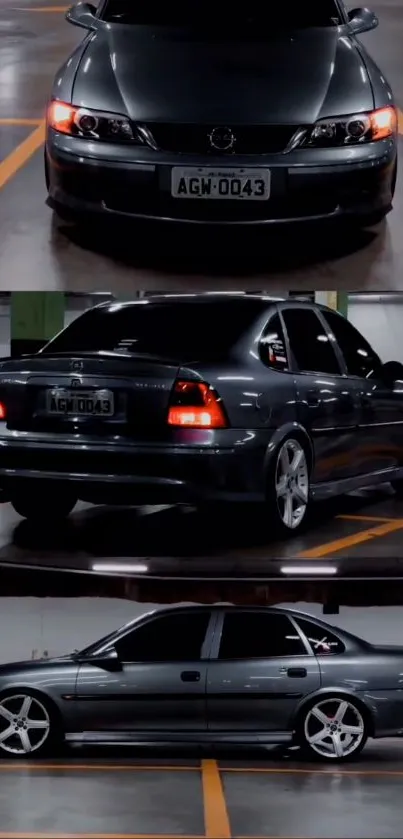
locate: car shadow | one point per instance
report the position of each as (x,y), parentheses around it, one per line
(216,252)
(383,755)
(179,531)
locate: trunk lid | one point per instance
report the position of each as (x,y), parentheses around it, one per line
(97,393)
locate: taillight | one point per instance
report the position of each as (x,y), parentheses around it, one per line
(3,411)
(196,405)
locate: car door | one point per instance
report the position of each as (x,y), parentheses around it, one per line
(260,669)
(158,682)
(381,415)
(328,402)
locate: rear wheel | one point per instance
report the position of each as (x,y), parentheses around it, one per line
(40,505)
(333,729)
(28,725)
(288,487)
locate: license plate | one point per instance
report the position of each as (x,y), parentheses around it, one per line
(221,184)
(96,403)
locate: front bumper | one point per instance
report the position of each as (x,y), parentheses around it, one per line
(119,471)
(306,184)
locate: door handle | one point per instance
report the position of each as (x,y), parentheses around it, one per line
(296,672)
(190,676)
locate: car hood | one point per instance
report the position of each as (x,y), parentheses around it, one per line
(35,664)
(294,78)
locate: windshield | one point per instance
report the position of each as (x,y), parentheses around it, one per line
(201,330)
(207,15)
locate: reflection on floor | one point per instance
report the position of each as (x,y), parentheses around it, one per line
(365,524)
(262,794)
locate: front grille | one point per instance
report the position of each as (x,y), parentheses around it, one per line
(194,139)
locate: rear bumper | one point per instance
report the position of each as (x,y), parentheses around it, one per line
(306,184)
(105,472)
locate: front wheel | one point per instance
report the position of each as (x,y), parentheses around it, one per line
(288,487)
(333,729)
(39,506)
(27,725)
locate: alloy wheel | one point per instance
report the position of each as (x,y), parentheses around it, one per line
(334,728)
(292,483)
(24,724)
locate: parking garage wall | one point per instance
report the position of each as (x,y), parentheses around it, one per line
(34,627)
(379,318)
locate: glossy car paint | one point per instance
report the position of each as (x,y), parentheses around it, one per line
(351,426)
(233,701)
(281,85)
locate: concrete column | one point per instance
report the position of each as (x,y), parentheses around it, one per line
(337,300)
(36,316)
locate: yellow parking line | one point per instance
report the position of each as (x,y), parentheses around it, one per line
(352,517)
(20,156)
(400,121)
(93,767)
(216,821)
(53,835)
(346,542)
(42,9)
(18,121)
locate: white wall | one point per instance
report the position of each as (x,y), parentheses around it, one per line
(381,322)
(33,627)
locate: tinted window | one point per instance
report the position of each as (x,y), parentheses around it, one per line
(169,638)
(309,343)
(293,14)
(360,358)
(177,330)
(249,635)
(273,351)
(321,640)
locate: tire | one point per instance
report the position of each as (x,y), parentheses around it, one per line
(37,505)
(288,485)
(24,740)
(321,718)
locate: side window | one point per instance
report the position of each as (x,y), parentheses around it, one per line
(167,638)
(311,347)
(321,641)
(360,358)
(256,635)
(272,347)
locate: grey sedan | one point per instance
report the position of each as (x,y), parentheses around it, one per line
(186,112)
(212,675)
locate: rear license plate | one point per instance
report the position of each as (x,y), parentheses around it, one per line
(222,184)
(96,403)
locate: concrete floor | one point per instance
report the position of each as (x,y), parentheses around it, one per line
(265,794)
(37,252)
(365,526)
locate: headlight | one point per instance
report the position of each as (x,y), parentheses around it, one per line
(94,125)
(354,129)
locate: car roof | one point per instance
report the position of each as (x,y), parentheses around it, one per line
(210,297)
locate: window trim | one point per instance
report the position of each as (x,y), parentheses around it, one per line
(215,648)
(288,369)
(206,646)
(329,630)
(294,368)
(347,374)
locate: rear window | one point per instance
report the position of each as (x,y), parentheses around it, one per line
(173,330)
(255,13)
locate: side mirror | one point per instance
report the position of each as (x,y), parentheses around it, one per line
(362,20)
(392,372)
(107,660)
(84,15)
